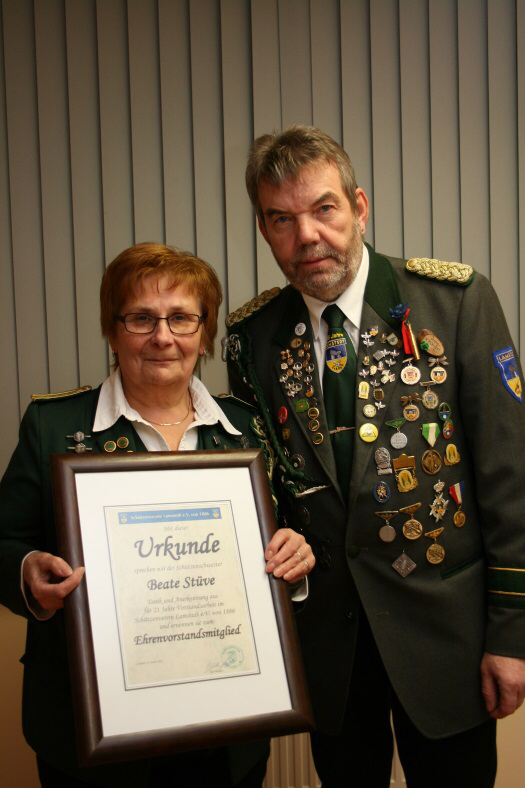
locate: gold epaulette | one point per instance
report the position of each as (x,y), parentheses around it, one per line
(251,307)
(455,273)
(59,394)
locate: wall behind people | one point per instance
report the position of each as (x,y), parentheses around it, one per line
(130,120)
(124,121)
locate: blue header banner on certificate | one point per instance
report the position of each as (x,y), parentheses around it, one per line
(178,639)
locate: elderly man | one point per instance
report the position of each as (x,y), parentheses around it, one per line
(393,397)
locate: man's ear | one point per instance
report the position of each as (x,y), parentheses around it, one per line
(363,209)
(262,228)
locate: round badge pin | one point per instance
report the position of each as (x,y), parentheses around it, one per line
(368,432)
(300,328)
(369,411)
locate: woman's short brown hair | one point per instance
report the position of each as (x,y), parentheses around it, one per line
(126,273)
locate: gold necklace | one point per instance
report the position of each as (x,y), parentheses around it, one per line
(172,423)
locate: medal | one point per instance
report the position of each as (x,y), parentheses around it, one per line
(438,373)
(429,398)
(398,440)
(405,473)
(410,410)
(296,341)
(431,462)
(435,553)
(412,529)
(404,565)
(282,414)
(410,374)
(387,533)
(456,493)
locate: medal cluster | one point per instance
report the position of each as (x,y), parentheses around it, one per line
(297,369)
(377,371)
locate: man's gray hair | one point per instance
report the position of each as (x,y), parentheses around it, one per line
(281,155)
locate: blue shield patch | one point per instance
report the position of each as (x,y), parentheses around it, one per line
(505,361)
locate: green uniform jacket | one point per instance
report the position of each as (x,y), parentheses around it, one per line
(433,625)
(27,523)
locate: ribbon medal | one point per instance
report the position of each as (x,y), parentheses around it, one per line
(456,493)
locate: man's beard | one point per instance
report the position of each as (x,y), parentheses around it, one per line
(327,285)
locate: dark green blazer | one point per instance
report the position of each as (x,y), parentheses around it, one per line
(27,523)
(433,625)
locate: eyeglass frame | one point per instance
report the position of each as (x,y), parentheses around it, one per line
(122,319)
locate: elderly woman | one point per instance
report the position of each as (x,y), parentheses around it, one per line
(159,312)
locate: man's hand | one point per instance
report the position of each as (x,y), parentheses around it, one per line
(289,556)
(50,579)
(502,684)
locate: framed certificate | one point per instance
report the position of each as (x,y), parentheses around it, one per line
(178,639)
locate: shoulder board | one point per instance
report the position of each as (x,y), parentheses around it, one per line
(237,401)
(60,394)
(251,307)
(454,273)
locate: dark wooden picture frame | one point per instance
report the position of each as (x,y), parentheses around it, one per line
(93,746)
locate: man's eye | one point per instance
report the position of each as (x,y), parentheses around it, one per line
(326,208)
(281,219)
(178,318)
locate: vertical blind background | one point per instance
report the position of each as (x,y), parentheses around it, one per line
(130,120)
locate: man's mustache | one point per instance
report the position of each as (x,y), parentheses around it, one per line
(318,253)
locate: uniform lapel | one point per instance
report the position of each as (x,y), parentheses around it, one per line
(381,294)
(295,314)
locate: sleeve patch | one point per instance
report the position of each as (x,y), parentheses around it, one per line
(505,362)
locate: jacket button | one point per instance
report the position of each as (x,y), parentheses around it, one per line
(303,515)
(350,616)
(352,551)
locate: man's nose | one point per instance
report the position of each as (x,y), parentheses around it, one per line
(307,231)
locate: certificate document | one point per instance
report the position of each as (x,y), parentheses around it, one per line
(181,603)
